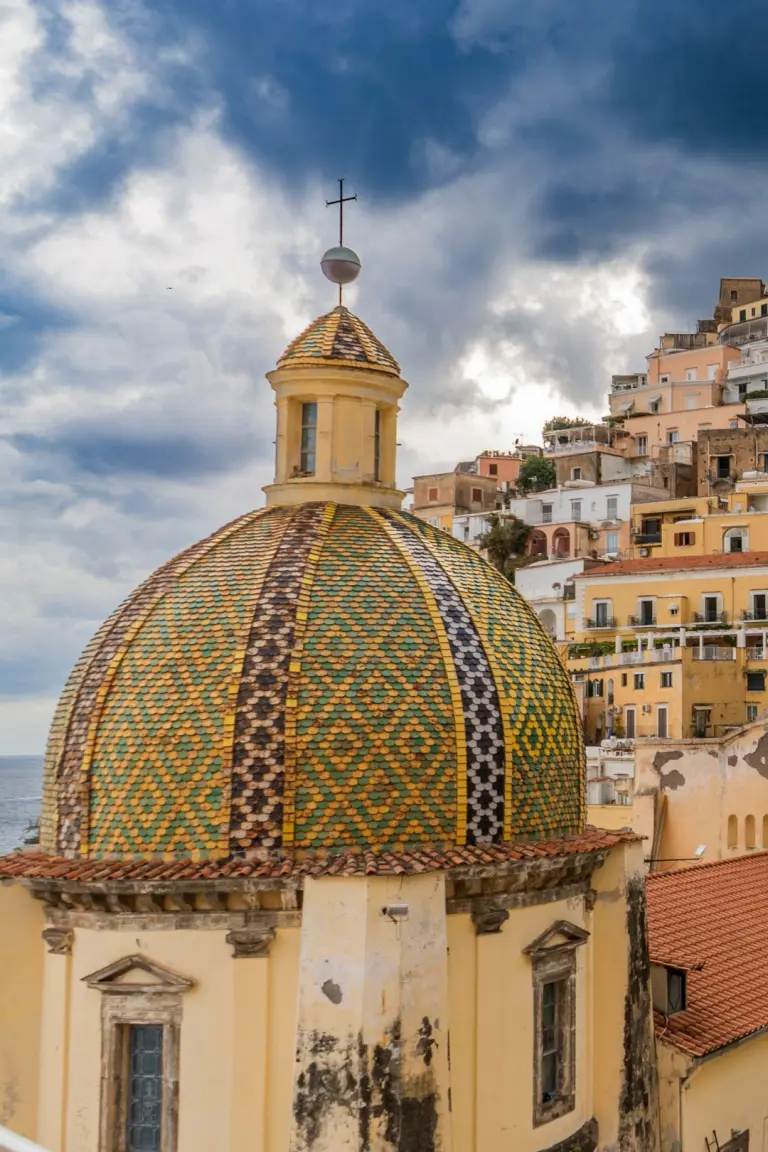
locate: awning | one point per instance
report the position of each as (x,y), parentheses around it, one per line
(654,399)
(627,406)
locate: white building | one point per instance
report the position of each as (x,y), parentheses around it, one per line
(550,590)
(579,504)
(749,374)
(611,776)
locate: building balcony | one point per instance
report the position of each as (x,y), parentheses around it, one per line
(604,622)
(710,617)
(648,538)
(713,652)
(755,616)
(643,621)
(665,655)
(757,653)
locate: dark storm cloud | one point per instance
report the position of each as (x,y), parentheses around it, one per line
(99,451)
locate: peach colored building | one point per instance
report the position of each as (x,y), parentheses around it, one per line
(504,467)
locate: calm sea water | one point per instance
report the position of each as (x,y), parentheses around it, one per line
(21,781)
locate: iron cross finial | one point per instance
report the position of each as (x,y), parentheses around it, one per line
(342,200)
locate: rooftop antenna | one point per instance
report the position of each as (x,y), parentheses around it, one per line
(340,265)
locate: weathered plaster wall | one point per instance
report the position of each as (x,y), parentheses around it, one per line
(704,783)
(623,1056)
(21,975)
(372,1067)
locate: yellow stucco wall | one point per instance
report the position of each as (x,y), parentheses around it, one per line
(610,816)
(726,1092)
(21,975)
(236,1048)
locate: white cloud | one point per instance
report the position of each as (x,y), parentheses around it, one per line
(182,289)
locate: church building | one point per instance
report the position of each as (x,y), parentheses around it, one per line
(314,874)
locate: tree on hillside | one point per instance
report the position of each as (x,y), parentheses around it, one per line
(505,543)
(536,474)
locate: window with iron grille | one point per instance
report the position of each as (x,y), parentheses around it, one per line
(144,1088)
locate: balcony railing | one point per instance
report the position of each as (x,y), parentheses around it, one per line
(710,617)
(665,655)
(757,654)
(630,657)
(713,652)
(755,615)
(643,621)
(604,622)
(648,538)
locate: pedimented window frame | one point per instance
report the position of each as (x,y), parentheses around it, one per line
(136,991)
(553,960)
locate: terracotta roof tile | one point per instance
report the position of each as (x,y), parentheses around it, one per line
(714,918)
(39,866)
(678,564)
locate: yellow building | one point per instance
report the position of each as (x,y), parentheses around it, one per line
(672,647)
(704,525)
(707,929)
(313,797)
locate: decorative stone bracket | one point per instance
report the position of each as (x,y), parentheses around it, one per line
(59,940)
(251,942)
(489,920)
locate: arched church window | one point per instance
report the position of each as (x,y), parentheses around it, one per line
(733,832)
(749,832)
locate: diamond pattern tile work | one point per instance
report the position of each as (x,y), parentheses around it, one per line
(258,762)
(482,713)
(160,773)
(542,733)
(65,776)
(375,730)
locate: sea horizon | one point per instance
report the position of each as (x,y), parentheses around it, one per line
(21,780)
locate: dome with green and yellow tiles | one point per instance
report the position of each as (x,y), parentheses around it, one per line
(313,678)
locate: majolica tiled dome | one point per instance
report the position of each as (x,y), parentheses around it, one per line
(339,336)
(310,678)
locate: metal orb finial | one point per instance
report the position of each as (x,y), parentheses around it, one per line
(340,265)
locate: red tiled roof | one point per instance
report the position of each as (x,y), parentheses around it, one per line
(38,866)
(714,916)
(677,564)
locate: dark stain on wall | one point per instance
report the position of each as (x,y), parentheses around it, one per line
(672,780)
(759,758)
(733,760)
(662,758)
(585,1140)
(369,1085)
(419,1124)
(332,991)
(638,1120)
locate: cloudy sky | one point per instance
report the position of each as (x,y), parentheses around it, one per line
(544,187)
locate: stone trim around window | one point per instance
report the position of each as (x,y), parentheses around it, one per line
(138,991)
(553,960)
